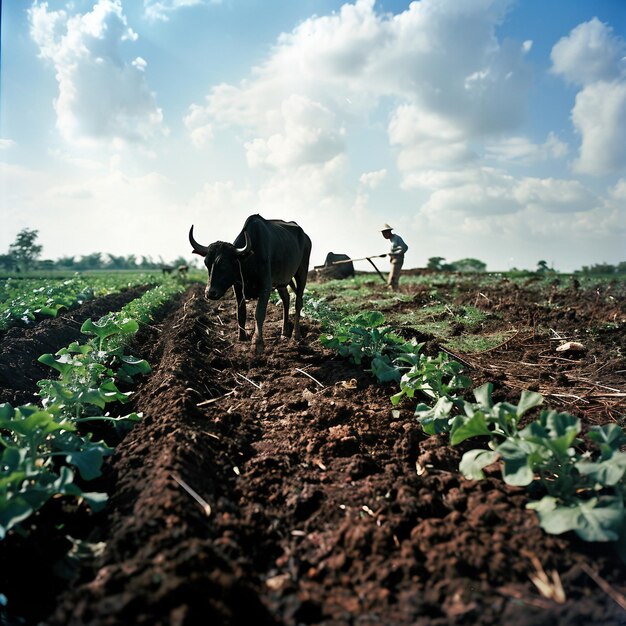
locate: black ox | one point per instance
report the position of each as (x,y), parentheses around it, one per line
(266,255)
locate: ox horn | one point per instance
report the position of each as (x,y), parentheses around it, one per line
(247,247)
(197,248)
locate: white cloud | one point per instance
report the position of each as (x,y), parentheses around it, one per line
(591,56)
(599,115)
(427,140)
(481,192)
(618,192)
(161,9)
(521,150)
(308,136)
(553,195)
(102,98)
(488,192)
(197,123)
(439,63)
(589,53)
(5,144)
(373,179)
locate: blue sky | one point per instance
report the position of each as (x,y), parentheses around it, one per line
(491,129)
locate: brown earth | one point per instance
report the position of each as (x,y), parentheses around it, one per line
(317,514)
(20,347)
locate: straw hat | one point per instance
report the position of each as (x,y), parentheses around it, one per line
(386,227)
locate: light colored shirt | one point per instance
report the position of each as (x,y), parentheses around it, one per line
(398,247)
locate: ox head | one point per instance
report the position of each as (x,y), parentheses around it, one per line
(222,261)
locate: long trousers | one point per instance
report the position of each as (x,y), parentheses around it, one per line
(394,274)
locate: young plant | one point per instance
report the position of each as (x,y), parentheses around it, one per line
(31,441)
(434,377)
(363,337)
(582,493)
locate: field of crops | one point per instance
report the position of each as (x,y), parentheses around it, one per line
(448,454)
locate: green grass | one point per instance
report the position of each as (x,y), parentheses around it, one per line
(469,344)
(463,329)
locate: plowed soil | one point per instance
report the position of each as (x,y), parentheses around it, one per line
(314,512)
(20,347)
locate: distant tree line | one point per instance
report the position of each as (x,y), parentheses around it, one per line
(438,264)
(24,254)
(462,265)
(603,268)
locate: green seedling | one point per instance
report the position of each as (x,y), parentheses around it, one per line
(31,440)
(434,377)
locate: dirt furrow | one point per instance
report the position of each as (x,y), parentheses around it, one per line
(21,347)
(318,515)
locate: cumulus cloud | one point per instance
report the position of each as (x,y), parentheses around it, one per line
(599,115)
(521,150)
(427,140)
(487,192)
(373,179)
(594,58)
(554,195)
(308,136)
(161,9)
(198,125)
(102,97)
(439,63)
(590,53)
(448,91)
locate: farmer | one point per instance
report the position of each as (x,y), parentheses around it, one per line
(396,255)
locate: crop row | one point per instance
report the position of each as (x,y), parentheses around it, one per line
(43,446)
(22,302)
(576,485)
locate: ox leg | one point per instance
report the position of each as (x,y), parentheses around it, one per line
(259,318)
(300,280)
(241,312)
(284,296)
(296,321)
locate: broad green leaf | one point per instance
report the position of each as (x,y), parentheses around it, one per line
(597,519)
(516,455)
(528,400)
(46,310)
(92,396)
(435,420)
(103,328)
(88,462)
(13,511)
(608,437)
(6,411)
(37,424)
(562,424)
(110,391)
(384,371)
(463,428)
(474,461)
(608,472)
(483,395)
(140,366)
(107,327)
(96,500)
(369,319)
(12,458)
(63,364)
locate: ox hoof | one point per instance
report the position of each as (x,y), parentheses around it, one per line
(259,348)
